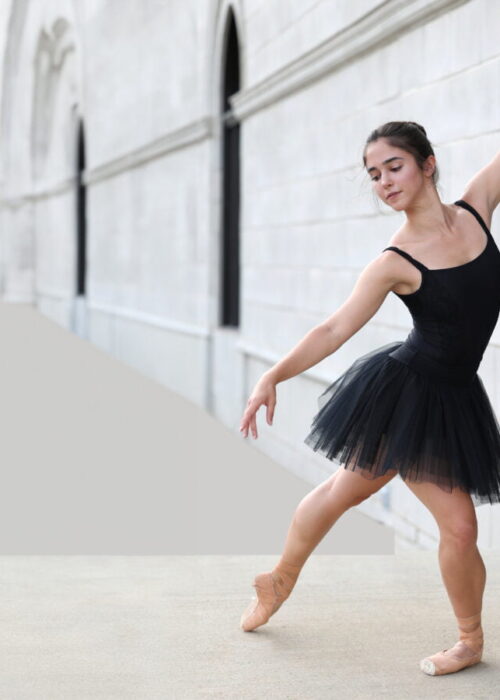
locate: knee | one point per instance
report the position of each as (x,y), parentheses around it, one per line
(461,532)
(351,490)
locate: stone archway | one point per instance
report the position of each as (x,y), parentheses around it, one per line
(40,123)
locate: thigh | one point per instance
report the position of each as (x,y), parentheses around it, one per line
(453,511)
(355,486)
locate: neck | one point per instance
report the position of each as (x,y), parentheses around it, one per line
(427,213)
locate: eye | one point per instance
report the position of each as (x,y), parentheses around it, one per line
(393,170)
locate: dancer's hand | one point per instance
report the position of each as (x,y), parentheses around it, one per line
(264,393)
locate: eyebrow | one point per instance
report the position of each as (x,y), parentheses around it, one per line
(387,160)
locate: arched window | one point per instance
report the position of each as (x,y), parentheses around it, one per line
(230,267)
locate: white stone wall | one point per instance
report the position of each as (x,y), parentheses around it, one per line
(317,77)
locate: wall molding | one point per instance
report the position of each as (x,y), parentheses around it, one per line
(185,136)
(379,26)
(54,293)
(150,319)
(46,190)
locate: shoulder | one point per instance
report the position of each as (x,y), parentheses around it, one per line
(396,272)
(402,267)
(391,265)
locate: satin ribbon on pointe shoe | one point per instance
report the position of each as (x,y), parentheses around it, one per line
(461,655)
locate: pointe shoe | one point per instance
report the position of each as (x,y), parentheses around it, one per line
(461,655)
(271,594)
(451,660)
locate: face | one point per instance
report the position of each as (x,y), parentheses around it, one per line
(392,169)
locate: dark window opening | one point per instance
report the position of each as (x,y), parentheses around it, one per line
(81,219)
(230,266)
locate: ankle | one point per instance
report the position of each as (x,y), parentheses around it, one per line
(473,640)
(286,574)
(470,630)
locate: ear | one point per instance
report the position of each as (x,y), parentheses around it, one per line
(430,165)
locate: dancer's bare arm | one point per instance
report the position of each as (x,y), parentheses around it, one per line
(483,189)
(372,286)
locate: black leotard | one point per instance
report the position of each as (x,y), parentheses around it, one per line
(454,312)
(418,406)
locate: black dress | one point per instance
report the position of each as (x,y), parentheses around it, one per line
(418,406)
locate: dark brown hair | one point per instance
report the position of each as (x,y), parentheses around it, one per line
(409,136)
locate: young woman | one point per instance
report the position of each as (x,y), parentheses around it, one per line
(416,407)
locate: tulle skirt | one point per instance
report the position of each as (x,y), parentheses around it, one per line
(382,414)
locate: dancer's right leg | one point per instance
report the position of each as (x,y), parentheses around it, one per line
(315,515)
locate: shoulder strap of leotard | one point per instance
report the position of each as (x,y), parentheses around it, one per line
(406,255)
(466,205)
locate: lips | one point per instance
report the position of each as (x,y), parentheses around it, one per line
(393,194)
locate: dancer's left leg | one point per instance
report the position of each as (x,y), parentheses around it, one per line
(462,570)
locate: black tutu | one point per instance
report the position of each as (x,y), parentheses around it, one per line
(382,415)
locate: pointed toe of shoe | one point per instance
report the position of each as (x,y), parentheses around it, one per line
(427,666)
(247,624)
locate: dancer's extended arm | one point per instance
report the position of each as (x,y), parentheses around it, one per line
(371,288)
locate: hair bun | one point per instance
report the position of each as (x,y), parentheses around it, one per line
(419,127)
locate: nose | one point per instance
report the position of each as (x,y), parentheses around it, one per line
(386,179)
